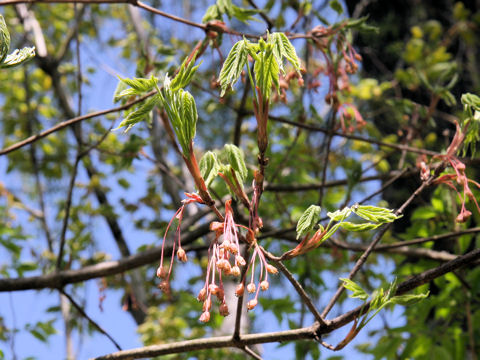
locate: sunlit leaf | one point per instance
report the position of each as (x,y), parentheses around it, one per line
(308,220)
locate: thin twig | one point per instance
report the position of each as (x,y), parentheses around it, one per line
(252,353)
(301,291)
(375,241)
(90,320)
(71,121)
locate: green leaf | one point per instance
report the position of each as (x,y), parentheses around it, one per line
(140,113)
(357,291)
(212,13)
(139,85)
(358,227)
(119,90)
(4,39)
(283,48)
(408,299)
(266,71)
(233,65)
(340,215)
(471,100)
(182,111)
(336,6)
(185,74)
(236,159)
(375,213)
(208,167)
(18,57)
(308,220)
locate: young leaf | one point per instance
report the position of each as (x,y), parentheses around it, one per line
(340,215)
(212,13)
(375,213)
(233,65)
(236,160)
(184,75)
(357,291)
(408,299)
(4,39)
(358,227)
(308,220)
(283,48)
(139,85)
(140,113)
(182,111)
(119,90)
(209,167)
(18,57)
(266,71)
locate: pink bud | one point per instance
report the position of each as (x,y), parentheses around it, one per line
(239,290)
(240,260)
(202,295)
(251,288)
(213,288)
(164,286)
(207,305)
(251,304)
(181,255)
(223,310)
(161,273)
(272,269)
(235,271)
(264,285)
(205,317)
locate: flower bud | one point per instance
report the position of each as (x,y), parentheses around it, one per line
(226,244)
(233,248)
(202,295)
(164,286)
(205,317)
(220,294)
(251,304)
(181,255)
(251,288)
(161,272)
(235,271)
(213,288)
(271,269)
(207,305)
(264,285)
(239,290)
(240,260)
(224,310)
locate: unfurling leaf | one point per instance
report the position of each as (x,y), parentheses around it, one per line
(184,75)
(4,39)
(236,159)
(140,113)
(358,227)
(408,299)
(283,48)
(375,213)
(266,71)
(357,291)
(182,111)
(233,65)
(340,215)
(18,57)
(138,86)
(209,167)
(308,220)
